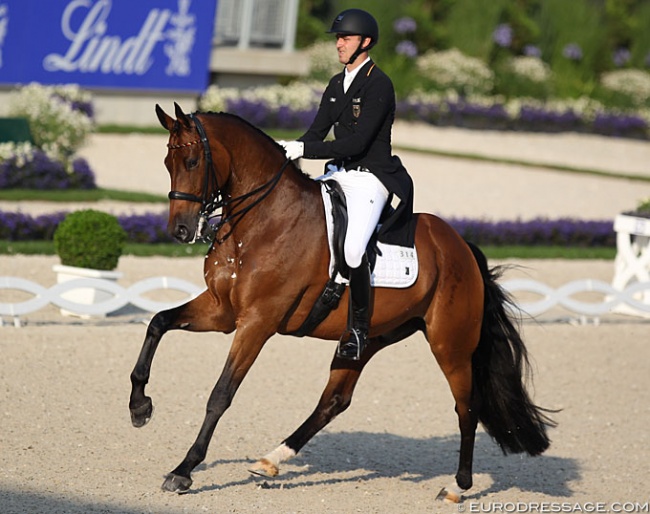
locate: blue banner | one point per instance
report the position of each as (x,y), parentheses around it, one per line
(112,44)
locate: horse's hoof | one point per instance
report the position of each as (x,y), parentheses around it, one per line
(264,468)
(176,484)
(140,416)
(449,496)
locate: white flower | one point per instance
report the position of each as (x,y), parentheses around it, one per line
(299,96)
(216,98)
(451,69)
(633,83)
(532,68)
(323,59)
(56,127)
(21,151)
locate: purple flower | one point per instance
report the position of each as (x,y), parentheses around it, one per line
(404,25)
(407,48)
(145,228)
(76,105)
(532,51)
(619,124)
(261,115)
(17,226)
(572,51)
(537,232)
(502,35)
(621,57)
(42,172)
(151,228)
(82,175)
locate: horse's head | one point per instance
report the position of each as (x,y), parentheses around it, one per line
(194,187)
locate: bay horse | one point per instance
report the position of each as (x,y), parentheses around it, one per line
(267,266)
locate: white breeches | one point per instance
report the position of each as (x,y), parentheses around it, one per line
(366,197)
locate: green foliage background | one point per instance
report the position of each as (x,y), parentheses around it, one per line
(599,27)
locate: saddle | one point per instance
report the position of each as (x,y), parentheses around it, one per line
(391,266)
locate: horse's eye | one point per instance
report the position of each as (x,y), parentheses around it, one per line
(192,162)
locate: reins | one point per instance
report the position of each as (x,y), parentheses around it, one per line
(210,202)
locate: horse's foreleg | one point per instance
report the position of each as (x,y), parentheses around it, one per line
(245,348)
(189,316)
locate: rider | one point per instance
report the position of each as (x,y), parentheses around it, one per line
(359,103)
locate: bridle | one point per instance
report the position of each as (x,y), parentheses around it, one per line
(212,197)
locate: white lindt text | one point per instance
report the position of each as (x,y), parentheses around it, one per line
(93,50)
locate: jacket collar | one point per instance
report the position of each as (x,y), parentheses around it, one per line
(360,79)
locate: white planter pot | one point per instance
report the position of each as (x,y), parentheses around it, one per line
(84,295)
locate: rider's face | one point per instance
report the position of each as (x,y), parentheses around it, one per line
(346,45)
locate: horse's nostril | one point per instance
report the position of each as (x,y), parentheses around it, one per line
(182,233)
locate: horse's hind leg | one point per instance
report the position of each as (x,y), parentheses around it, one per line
(460,382)
(453,346)
(189,316)
(336,397)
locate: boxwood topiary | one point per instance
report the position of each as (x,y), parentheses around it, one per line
(89,239)
(643,208)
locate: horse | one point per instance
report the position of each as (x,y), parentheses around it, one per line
(267,266)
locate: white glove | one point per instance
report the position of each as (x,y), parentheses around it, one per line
(293,149)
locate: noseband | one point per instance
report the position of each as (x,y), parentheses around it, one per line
(212,197)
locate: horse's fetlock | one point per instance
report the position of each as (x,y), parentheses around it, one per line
(195,454)
(464,481)
(139,377)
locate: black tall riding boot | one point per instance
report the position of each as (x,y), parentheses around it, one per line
(354,340)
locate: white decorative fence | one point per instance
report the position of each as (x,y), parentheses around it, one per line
(628,300)
(610,299)
(119,296)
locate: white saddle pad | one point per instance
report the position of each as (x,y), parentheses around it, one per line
(396,266)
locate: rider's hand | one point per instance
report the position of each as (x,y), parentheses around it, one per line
(293,149)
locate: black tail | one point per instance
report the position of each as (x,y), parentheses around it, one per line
(500,365)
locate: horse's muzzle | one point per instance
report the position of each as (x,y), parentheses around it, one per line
(182,233)
(188,233)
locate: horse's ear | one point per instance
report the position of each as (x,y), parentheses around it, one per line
(181,116)
(165,120)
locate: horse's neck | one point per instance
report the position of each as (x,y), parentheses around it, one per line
(277,202)
(256,162)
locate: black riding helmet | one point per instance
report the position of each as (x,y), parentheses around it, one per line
(356,22)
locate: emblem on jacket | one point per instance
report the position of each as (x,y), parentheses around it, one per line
(356,107)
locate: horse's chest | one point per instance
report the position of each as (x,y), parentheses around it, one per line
(221,270)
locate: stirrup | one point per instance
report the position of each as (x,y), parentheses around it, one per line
(352,347)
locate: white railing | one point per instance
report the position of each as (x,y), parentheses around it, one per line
(119,296)
(612,300)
